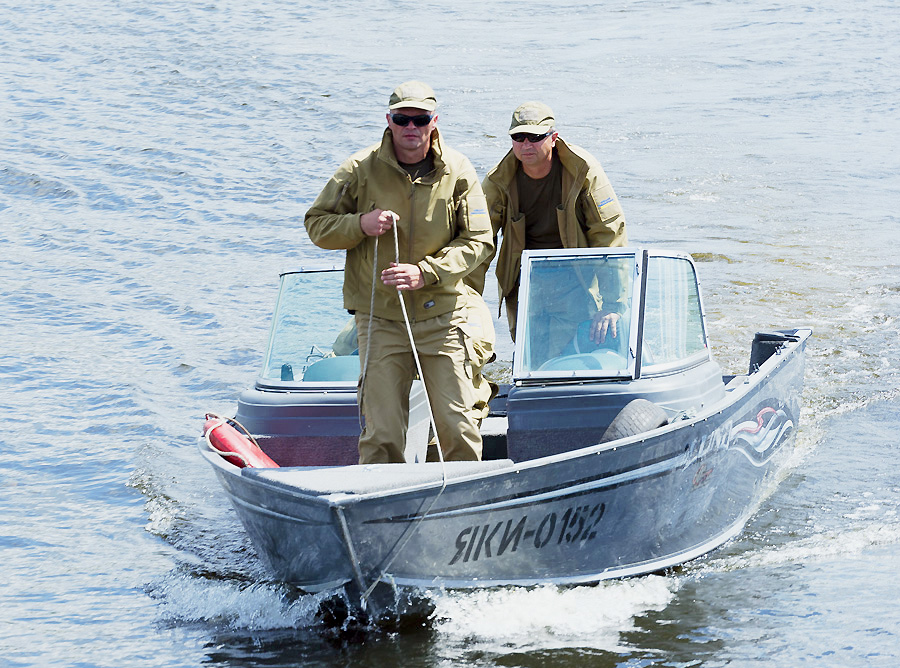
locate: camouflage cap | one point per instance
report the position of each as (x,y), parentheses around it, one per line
(532,117)
(413,94)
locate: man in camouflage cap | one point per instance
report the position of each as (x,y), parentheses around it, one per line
(546,193)
(411,179)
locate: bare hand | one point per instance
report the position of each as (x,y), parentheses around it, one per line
(404,276)
(376,222)
(604,323)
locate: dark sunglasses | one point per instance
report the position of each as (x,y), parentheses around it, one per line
(519,137)
(403,120)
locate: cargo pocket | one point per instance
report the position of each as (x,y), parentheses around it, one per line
(478,403)
(479,351)
(478,331)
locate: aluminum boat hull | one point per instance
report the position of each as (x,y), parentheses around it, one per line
(621,508)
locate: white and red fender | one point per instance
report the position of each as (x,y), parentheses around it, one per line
(234,446)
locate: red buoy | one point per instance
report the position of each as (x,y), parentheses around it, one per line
(224,439)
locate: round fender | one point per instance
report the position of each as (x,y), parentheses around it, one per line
(234,446)
(638,416)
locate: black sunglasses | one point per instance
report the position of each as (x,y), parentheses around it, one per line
(519,137)
(403,120)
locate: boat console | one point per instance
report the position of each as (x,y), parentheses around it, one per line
(570,381)
(597,328)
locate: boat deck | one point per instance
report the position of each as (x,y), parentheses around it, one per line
(369,478)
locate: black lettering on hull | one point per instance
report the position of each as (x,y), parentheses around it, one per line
(577,524)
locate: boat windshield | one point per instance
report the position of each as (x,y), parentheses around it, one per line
(565,296)
(674,333)
(563,293)
(312,338)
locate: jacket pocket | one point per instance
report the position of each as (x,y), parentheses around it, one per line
(461,215)
(509,260)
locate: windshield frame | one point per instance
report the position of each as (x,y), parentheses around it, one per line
(264,378)
(532,258)
(702,355)
(636,367)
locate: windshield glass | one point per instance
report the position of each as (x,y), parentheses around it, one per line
(673,320)
(312,337)
(576,315)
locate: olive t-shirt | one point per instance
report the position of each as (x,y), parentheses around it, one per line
(538,200)
(421,168)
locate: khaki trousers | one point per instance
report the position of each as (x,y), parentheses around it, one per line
(450,365)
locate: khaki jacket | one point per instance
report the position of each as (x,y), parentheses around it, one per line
(589,215)
(444,228)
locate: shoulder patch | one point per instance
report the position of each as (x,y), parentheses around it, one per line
(602,204)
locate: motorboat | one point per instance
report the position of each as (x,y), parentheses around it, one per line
(601,459)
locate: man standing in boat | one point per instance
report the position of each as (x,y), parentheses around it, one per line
(546,193)
(431,193)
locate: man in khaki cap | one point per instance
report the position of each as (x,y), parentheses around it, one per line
(546,193)
(431,193)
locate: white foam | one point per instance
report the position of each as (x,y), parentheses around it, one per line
(551,617)
(233,604)
(822,546)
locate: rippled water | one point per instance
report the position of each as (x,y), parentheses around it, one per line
(158,159)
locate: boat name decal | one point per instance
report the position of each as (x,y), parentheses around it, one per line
(714,441)
(484,541)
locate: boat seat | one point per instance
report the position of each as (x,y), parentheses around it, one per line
(368,478)
(339,368)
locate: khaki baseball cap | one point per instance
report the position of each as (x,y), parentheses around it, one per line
(532,117)
(413,94)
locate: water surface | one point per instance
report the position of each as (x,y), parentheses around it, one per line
(158,159)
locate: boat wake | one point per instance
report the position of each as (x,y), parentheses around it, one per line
(549,617)
(267,623)
(487,620)
(823,546)
(185,598)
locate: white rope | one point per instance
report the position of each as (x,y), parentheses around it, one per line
(225,453)
(412,344)
(415,527)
